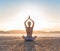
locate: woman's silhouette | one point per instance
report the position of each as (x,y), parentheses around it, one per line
(29,24)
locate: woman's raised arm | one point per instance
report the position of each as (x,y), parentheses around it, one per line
(25,23)
(32,22)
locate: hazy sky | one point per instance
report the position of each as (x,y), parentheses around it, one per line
(45,13)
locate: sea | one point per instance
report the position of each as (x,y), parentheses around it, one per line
(43,42)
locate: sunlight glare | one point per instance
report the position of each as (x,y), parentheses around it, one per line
(34,12)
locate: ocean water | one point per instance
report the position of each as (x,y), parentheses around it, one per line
(41,43)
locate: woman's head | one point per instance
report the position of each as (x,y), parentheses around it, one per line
(29,23)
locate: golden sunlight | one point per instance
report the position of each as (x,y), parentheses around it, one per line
(35,13)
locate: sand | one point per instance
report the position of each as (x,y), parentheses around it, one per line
(40,44)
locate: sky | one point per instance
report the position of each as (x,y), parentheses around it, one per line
(45,13)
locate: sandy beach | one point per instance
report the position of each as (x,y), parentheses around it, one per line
(40,44)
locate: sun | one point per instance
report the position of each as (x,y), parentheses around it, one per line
(36,14)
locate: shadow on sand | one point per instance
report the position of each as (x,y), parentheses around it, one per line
(30,46)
